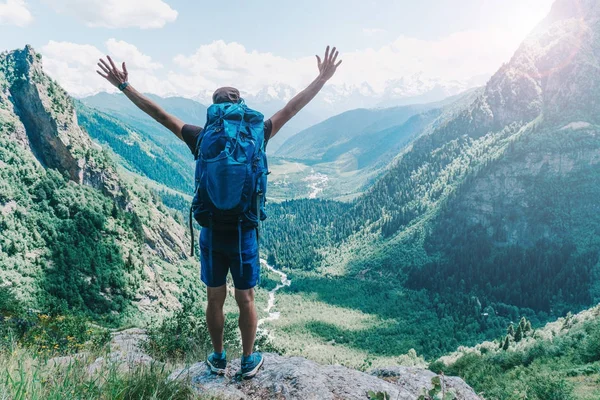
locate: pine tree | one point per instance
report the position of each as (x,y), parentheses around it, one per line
(506,343)
(518,334)
(523,325)
(511,330)
(115,211)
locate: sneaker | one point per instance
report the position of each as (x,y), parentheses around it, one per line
(251,365)
(217,363)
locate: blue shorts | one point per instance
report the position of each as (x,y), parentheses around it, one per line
(245,270)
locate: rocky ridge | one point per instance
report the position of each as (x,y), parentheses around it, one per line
(40,117)
(49,120)
(298,378)
(281,377)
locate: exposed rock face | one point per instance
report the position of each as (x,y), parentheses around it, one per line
(280,377)
(524,198)
(554,79)
(553,74)
(298,378)
(54,136)
(40,117)
(47,114)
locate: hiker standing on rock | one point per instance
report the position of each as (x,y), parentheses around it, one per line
(230,189)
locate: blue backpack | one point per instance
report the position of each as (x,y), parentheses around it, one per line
(231,169)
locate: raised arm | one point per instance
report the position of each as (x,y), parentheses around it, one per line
(327,68)
(118,78)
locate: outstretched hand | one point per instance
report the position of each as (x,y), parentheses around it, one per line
(328,66)
(111,73)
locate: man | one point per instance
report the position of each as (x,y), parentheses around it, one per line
(224,249)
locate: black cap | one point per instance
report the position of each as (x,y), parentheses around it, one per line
(226,95)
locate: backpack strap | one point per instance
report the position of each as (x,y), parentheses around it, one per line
(198,143)
(192,229)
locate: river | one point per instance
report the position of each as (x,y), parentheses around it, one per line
(272,316)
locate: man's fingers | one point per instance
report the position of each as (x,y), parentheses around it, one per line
(332,54)
(338,64)
(103,68)
(326,54)
(335,56)
(105,64)
(319,61)
(102,75)
(112,63)
(125,68)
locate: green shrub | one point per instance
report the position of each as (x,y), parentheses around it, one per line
(50,335)
(185,336)
(591,345)
(550,387)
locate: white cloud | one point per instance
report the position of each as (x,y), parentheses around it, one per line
(222,64)
(119,49)
(457,57)
(144,14)
(74,67)
(453,59)
(372,31)
(15,12)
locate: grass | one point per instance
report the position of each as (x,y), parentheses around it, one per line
(587,387)
(329,333)
(25,375)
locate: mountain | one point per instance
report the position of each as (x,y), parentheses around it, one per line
(338,99)
(313,143)
(334,137)
(342,156)
(120,107)
(76,235)
(490,216)
(268,101)
(117,104)
(138,150)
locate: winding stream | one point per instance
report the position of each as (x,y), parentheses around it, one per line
(317,182)
(284,282)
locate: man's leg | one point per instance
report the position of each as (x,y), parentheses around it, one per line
(248,318)
(215,318)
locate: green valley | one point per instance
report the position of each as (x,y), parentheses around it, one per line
(460,236)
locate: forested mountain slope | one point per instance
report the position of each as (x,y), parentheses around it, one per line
(119,107)
(503,195)
(117,104)
(139,150)
(495,210)
(75,236)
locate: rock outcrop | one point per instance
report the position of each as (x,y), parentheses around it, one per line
(298,378)
(52,133)
(288,378)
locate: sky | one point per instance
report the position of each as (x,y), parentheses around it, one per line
(177,47)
